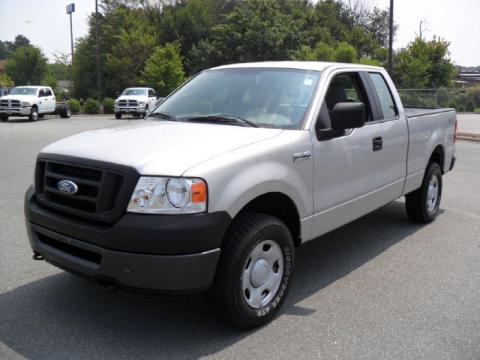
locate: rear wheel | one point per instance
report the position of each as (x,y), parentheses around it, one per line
(254,272)
(65,113)
(33,114)
(41,116)
(423,204)
(118,116)
(3,117)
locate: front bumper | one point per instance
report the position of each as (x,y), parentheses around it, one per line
(163,253)
(15,111)
(129,109)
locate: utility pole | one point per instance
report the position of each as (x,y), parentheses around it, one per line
(390,39)
(97,50)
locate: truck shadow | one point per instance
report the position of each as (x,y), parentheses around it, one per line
(61,316)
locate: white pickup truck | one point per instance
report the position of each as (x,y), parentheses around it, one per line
(220,184)
(135,101)
(33,102)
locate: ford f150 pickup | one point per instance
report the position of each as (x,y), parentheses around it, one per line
(135,101)
(233,171)
(33,102)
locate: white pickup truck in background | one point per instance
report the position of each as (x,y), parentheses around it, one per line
(33,102)
(221,182)
(136,101)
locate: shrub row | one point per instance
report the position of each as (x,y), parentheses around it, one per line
(92,106)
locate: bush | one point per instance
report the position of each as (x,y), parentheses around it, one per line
(108,105)
(92,106)
(74,105)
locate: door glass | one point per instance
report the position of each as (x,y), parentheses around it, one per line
(48,92)
(385,96)
(41,93)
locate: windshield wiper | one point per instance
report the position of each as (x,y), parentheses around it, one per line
(163,115)
(226,119)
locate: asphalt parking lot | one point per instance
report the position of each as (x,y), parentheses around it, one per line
(378,288)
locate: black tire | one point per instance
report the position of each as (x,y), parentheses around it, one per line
(65,113)
(146,112)
(33,114)
(41,116)
(118,116)
(420,206)
(227,296)
(3,117)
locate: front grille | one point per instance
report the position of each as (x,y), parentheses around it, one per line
(3,102)
(122,103)
(14,103)
(103,189)
(132,102)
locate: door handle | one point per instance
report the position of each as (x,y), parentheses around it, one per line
(377,143)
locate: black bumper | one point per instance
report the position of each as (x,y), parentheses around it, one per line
(162,253)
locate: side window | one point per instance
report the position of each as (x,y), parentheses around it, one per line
(48,92)
(384,95)
(343,88)
(41,93)
(151,93)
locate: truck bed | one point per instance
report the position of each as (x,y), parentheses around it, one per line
(412,112)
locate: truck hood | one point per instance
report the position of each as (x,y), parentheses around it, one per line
(19,97)
(156,147)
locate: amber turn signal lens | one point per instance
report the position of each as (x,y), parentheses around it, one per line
(199,192)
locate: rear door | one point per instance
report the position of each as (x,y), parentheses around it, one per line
(348,169)
(394,136)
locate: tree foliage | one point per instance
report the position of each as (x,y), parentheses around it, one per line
(424,64)
(206,33)
(26,65)
(164,69)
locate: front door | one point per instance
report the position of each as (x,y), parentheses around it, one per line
(348,171)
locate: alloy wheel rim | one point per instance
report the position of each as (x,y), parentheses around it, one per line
(262,274)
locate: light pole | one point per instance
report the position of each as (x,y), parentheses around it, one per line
(390,39)
(97,54)
(70,10)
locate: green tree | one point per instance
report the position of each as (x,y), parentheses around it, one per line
(5,81)
(424,64)
(164,70)
(26,65)
(345,53)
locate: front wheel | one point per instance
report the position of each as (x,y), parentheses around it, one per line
(423,204)
(254,272)
(3,117)
(33,114)
(118,116)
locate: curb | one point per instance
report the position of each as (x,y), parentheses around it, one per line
(468,136)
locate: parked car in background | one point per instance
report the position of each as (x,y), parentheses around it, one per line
(33,102)
(136,101)
(216,188)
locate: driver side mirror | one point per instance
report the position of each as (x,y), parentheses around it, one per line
(348,115)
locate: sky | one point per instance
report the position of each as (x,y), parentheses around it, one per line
(46,24)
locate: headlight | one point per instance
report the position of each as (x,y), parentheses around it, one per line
(26,104)
(141,103)
(162,195)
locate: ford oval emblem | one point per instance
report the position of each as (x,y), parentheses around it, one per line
(68,187)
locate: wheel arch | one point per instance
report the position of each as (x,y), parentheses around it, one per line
(438,156)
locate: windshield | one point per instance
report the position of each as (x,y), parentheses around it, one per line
(135,92)
(23,91)
(265,97)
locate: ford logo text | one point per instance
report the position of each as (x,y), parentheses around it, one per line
(67,187)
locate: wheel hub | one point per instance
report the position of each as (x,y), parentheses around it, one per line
(432,193)
(260,273)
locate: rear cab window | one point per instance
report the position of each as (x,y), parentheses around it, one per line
(385,98)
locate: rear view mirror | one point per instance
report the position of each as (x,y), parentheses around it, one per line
(348,115)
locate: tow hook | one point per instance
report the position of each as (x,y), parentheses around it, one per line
(107,286)
(37,257)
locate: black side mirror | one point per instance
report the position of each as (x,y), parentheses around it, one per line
(348,115)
